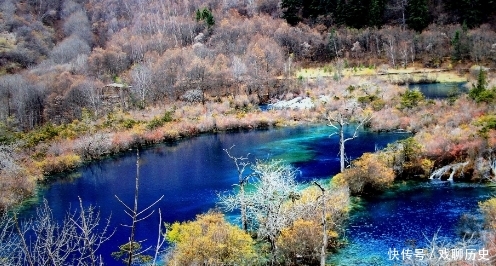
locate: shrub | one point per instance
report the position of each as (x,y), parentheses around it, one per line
(210,240)
(411,98)
(160,121)
(192,96)
(53,164)
(378,104)
(301,243)
(44,133)
(487,123)
(488,209)
(368,171)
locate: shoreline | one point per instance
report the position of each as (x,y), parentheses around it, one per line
(60,154)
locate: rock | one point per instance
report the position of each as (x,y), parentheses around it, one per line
(296,103)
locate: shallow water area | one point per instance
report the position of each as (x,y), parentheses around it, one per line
(440,90)
(407,216)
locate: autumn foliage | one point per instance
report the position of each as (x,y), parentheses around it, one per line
(210,240)
(367,172)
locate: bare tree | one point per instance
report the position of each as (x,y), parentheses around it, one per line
(324,225)
(76,240)
(339,120)
(142,80)
(132,250)
(10,245)
(274,184)
(390,48)
(69,49)
(241,164)
(399,6)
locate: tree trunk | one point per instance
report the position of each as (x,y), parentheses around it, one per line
(244,223)
(341,147)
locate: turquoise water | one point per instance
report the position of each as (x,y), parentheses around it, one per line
(407,216)
(190,173)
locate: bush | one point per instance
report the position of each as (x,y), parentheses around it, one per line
(369,171)
(301,243)
(160,121)
(59,163)
(411,98)
(488,209)
(487,123)
(210,240)
(44,133)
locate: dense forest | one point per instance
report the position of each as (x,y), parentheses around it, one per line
(57,56)
(83,79)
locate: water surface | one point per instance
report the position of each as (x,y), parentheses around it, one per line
(190,173)
(440,90)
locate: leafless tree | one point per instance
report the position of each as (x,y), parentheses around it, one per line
(69,49)
(132,251)
(241,165)
(43,241)
(10,245)
(324,225)
(78,24)
(238,68)
(141,75)
(339,120)
(399,6)
(390,48)
(274,184)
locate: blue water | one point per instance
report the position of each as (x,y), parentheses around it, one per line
(405,217)
(190,173)
(439,90)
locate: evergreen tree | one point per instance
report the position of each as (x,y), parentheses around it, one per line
(205,15)
(459,44)
(353,13)
(291,10)
(418,14)
(376,12)
(471,12)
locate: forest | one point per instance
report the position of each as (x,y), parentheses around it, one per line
(84,79)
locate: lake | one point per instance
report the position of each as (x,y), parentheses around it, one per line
(190,173)
(440,90)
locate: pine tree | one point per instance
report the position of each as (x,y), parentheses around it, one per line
(353,13)
(376,13)
(459,44)
(291,10)
(418,14)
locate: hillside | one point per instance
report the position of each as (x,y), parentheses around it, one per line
(70,68)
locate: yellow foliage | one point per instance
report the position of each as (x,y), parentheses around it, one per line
(60,163)
(368,170)
(301,241)
(427,165)
(210,240)
(488,208)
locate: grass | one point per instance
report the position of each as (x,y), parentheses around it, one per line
(414,74)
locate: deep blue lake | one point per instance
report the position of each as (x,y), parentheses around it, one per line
(190,173)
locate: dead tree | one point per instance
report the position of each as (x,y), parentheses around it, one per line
(131,251)
(324,225)
(241,164)
(339,121)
